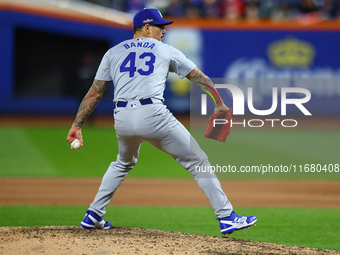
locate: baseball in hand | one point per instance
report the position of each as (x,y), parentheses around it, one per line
(75,144)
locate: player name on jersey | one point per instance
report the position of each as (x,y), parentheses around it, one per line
(139,45)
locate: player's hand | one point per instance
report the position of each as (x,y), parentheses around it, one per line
(75,133)
(221,108)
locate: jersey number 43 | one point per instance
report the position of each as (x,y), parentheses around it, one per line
(129,64)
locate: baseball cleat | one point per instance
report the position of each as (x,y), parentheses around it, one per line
(235,222)
(93,221)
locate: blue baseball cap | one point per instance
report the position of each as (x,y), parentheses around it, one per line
(149,16)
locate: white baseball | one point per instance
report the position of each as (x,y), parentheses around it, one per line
(75,144)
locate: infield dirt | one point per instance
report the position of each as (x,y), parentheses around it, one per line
(124,240)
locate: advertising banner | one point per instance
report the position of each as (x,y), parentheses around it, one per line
(278,59)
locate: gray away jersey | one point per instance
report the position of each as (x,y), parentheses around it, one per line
(139,67)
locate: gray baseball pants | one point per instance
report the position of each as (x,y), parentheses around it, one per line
(155,124)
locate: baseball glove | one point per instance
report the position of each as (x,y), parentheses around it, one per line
(219,126)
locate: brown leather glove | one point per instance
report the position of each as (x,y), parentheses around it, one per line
(219,126)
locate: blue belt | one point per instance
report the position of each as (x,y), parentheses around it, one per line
(124,104)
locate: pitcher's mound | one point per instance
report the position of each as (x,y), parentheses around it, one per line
(129,240)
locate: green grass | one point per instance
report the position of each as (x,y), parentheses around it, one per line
(44,152)
(317,228)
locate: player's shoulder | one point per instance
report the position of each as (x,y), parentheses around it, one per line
(119,45)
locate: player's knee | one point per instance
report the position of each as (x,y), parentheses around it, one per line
(124,166)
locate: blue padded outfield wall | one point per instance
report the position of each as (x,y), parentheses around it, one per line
(280,58)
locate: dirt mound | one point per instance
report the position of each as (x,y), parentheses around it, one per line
(128,240)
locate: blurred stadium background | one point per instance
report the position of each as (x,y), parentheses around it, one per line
(50,49)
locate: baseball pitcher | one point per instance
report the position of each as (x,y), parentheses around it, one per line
(138,69)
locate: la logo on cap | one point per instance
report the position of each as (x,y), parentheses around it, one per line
(147,20)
